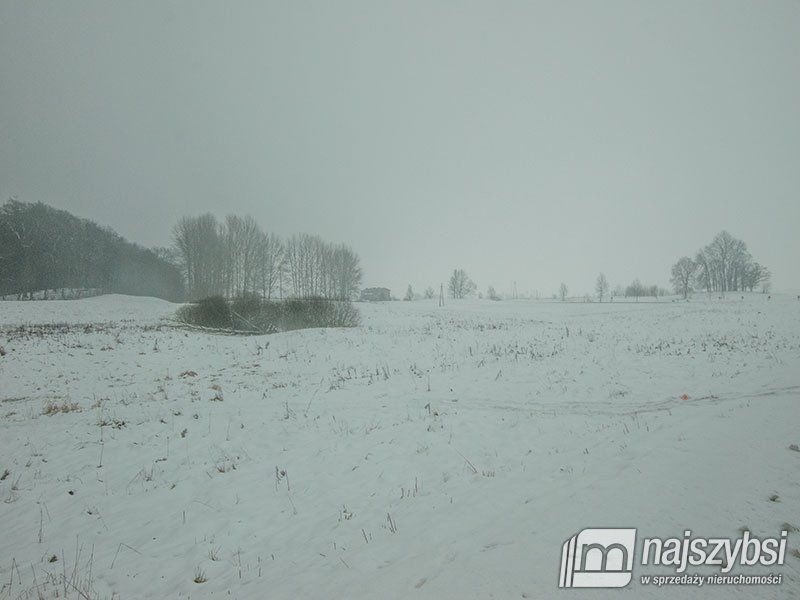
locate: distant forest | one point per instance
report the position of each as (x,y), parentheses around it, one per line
(50,251)
(43,249)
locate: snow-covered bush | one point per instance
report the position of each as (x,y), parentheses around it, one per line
(208,312)
(269,316)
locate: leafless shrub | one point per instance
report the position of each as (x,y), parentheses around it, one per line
(218,397)
(392,524)
(52,408)
(199,576)
(113,423)
(225,466)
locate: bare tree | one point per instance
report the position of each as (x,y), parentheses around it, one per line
(429,293)
(270,264)
(703,274)
(766,282)
(601,286)
(635,289)
(197,242)
(240,237)
(460,285)
(726,265)
(754,275)
(316,268)
(304,258)
(682,273)
(346,274)
(563,291)
(492,294)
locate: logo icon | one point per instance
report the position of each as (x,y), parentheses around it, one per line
(598,558)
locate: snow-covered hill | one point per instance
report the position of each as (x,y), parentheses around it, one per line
(429,453)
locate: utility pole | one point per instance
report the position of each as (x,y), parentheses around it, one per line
(441,294)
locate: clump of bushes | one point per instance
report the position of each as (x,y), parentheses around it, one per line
(254,314)
(209,312)
(317,312)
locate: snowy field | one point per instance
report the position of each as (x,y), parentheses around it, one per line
(429,453)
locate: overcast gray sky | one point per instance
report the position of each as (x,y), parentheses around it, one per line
(532,141)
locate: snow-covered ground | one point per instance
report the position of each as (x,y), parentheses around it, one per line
(429,453)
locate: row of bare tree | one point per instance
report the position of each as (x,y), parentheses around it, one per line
(236,258)
(724,265)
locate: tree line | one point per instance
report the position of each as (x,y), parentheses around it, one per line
(724,265)
(43,249)
(459,286)
(235,258)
